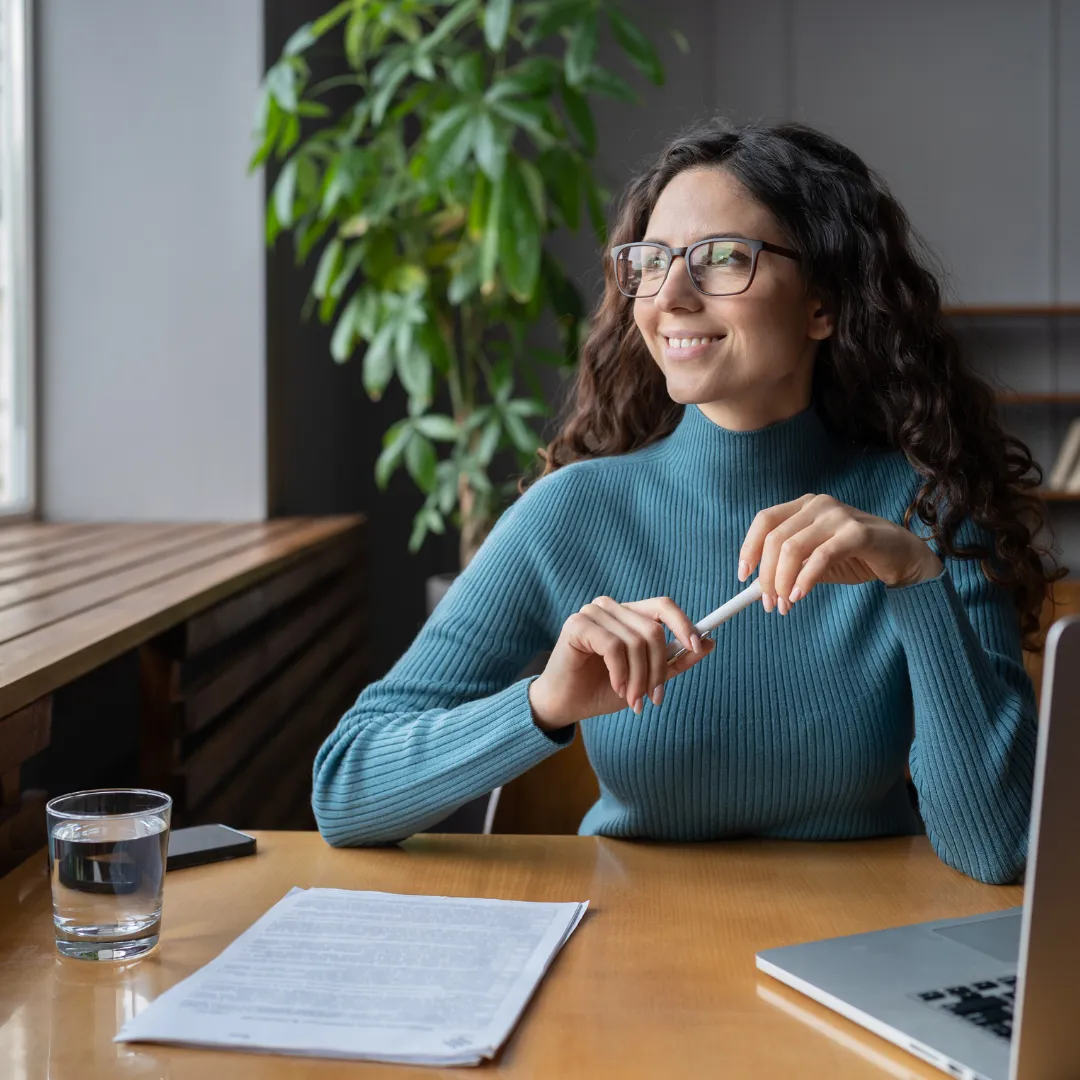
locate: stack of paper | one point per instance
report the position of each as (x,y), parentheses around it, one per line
(429,980)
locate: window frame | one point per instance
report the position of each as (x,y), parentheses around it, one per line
(18,333)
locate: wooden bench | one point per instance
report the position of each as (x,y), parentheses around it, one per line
(251,644)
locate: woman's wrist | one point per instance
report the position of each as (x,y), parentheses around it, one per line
(927,569)
(544,716)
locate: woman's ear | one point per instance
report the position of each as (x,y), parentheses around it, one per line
(820,323)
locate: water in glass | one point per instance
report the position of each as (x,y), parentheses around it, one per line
(108,875)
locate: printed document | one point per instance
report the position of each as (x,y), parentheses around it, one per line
(433,980)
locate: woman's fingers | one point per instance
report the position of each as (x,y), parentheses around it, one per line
(639,625)
(652,633)
(791,556)
(765,522)
(625,654)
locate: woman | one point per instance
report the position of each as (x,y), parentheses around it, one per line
(783,398)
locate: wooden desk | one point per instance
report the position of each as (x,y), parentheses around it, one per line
(75,596)
(658,981)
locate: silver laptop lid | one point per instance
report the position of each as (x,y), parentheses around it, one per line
(1045,1043)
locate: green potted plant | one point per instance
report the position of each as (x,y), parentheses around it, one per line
(460,141)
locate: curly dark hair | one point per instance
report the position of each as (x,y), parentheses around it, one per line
(891,376)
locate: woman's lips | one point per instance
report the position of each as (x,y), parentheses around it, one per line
(689,353)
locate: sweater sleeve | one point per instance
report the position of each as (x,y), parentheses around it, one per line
(973,755)
(448,723)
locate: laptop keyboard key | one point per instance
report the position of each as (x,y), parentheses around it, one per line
(990,1011)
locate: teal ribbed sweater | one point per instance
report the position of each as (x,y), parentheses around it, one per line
(795,726)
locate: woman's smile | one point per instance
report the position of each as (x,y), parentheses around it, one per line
(688,348)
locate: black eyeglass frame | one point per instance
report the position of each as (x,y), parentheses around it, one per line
(755,246)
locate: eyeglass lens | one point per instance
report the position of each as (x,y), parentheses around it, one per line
(717,268)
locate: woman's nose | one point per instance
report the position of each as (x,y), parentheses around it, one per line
(676,285)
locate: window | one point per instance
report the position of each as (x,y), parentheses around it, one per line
(16,261)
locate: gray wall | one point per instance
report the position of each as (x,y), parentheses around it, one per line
(152,314)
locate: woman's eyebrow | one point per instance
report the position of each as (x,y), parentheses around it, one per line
(715,234)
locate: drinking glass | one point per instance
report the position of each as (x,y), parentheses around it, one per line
(107,851)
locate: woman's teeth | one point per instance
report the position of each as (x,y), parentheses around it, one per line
(686,342)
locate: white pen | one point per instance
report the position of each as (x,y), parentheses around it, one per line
(750,595)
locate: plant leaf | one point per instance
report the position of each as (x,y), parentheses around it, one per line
(601,81)
(459,15)
(522,436)
(420,460)
(281,81)
(580,113)
(341,343)
(379,362)
(560,170)
(332,17)
(394,442)
(285,193)
(438,426)
(329,264)
(528,407)
(496,23)
(300,40)
(530,115)
(534,77)
(534,185)
(492,144)
(382,99)
(636,45)
(519,238)
(581,52)
(489,440)
(489,247)
(467,74)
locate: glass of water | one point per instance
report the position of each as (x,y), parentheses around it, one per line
(107,851)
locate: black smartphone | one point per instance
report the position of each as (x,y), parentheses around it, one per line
(200,844)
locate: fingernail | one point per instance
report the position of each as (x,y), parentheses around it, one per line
(744,569)
(695,643)
(639,705)
(658,694)
(796,594)
(766,601)
(622,690)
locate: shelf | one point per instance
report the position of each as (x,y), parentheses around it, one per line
(1013,397)
(996,310)
(1058,496)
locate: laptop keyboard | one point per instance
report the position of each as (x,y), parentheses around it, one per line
(988,1003)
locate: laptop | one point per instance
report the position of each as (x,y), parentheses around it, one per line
(991,997)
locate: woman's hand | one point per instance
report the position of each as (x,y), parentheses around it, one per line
(610,655)
(819,539)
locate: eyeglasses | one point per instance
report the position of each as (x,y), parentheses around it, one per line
(719,265)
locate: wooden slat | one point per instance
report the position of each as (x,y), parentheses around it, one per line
(224,621)
(49,610)
(237,673)
(32,533)
(112,561)
(31,562)
(37,663)
(48,544)
(24,734)
(282,769)
(240,736)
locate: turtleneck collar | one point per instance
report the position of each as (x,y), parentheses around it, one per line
(800,445)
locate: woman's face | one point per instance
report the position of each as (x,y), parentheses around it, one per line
(760,370)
